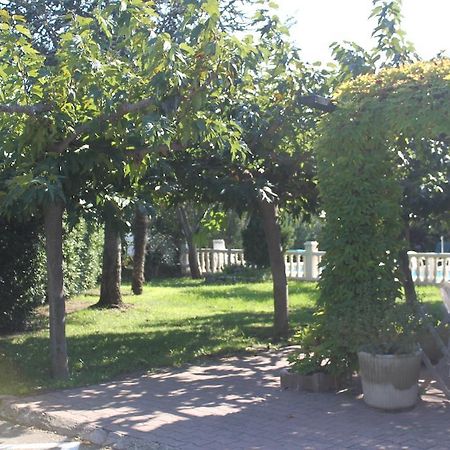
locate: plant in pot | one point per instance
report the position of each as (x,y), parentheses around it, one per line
(310,366)
(389,364)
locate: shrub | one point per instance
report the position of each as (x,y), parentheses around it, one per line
(23,267)
(254,243)
(22,272)
(254,240)
(82,250)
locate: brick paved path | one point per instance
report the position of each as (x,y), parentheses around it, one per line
(234,403)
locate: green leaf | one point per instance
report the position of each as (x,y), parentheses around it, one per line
(211,7)
(23,30)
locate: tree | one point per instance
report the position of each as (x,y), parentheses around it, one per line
(278,131)
(52,109)
(270,166)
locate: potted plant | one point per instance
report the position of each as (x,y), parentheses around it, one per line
(389,365)
(309,368)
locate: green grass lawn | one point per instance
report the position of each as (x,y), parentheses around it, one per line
(172,323)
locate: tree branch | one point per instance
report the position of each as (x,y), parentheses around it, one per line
(122,110)
(30,110)
(59,147)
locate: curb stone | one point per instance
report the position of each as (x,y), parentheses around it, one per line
(25,416)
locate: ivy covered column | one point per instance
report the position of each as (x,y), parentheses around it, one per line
(384,124)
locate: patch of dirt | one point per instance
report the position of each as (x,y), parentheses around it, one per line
(71,306)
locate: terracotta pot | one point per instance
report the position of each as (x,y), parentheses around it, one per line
(390,382)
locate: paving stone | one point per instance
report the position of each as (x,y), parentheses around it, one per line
(234,403)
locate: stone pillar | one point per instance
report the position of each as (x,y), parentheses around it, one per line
(310,266)
(219,244)
(218,257)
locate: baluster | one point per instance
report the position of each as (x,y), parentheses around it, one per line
(207,262)
(202,262)
(413,268)
(446,269)
(427,269)
(215,261)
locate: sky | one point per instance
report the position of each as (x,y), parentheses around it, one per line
(321,22)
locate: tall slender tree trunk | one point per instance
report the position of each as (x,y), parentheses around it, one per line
(406,276)
(280,286)
(110,296)
(53,226)
(192,249)
(140,230)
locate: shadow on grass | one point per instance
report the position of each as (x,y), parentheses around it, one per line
(101,356)
(250,292)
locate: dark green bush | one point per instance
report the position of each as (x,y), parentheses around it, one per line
(23,267)
(254,240)
(22,272)
(82,257)
(254,243)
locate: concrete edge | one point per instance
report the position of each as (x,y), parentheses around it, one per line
(26,416)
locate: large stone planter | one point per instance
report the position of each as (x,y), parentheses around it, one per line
(390,382)
(316,382)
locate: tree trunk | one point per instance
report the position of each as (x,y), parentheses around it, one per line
(192,249)
(406,276)
(140,245)
(110,296)
(193,260)
(53,225)
(277,266)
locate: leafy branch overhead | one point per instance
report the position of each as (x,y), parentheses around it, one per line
(116,75)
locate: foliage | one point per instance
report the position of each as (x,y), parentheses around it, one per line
(82,250)
(254,240)
(23,267)
(360,185)
(308,231)
(395,333)
(392,46)
(254,243)
(392,49)
(48,19)
(309,359)
(424,163)
(22,272)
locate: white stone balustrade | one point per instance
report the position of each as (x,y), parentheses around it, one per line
(426,268)
(429,268)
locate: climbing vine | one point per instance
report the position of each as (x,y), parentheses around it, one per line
(359,176)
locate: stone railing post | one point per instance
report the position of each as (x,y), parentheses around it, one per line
(310,269)
(184,260)
(219,257)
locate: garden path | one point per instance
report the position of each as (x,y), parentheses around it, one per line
(232,403)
